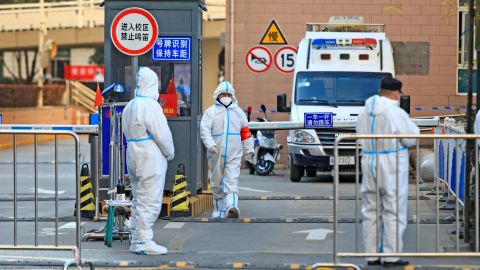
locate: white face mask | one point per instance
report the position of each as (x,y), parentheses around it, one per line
(226,100)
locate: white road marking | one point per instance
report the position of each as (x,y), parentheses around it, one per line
(38,257)
(67,226)
(46,191)
(70,225)
(254,190)
(50,232)
(317,234)
(174,225)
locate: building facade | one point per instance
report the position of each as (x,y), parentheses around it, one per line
(428,37)
(77,28)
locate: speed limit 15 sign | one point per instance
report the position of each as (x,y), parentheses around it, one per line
(285,59)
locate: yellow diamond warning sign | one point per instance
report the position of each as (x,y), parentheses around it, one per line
(273,35)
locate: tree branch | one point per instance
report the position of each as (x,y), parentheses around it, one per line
(8,69)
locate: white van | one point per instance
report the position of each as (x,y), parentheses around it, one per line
(339,65)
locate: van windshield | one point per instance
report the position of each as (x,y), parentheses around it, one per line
(336,88)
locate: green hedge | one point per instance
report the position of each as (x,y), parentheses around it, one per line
(26,95)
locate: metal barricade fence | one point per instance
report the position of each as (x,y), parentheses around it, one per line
(36,133)
(418,253)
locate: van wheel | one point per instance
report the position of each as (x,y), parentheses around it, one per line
(311,171)
(296,172)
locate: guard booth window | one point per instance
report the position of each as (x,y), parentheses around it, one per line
(174,85)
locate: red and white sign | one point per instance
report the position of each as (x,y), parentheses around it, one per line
(285,59)
(258,59)
(87,73)
(134,31)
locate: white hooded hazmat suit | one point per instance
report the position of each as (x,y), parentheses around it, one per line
(220,127)
(150,145)
(476,125)
(383,116)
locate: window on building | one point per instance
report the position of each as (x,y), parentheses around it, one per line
(463,21)
(462,48)
(62,58)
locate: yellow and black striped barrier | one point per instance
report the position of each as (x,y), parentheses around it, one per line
(180,199)
(87,201)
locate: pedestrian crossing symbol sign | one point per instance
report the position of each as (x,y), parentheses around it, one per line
(273,35)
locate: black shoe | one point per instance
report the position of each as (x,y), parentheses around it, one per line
(376,262)
(232,213)
(396,263)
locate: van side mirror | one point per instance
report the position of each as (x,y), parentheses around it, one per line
(405,103)
(282,103)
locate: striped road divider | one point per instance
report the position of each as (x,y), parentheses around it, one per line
(164,264)
(241,198)
(310,198)
(319,219)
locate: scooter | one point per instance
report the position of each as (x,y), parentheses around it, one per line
(266,148)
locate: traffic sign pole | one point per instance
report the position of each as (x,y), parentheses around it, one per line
(134,71)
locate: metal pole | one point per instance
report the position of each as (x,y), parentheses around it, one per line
(417,192)
(112,144)
(437,210)
(56,191)
(134,71)
(397,193)
(477,223)
(377,197)
(232,44)
(476,211)
(77,192)
(335,198)
(357,181)
(93,140)
(477,48)
(122,150)
(35,147)
(14,189)
(469,150)
(42,32)
(457,197)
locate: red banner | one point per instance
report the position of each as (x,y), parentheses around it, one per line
(169,104)
(86,73)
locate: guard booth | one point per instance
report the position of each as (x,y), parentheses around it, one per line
(176,57)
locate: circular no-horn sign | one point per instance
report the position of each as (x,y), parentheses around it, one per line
(258,59)
(134,31)
(285,59)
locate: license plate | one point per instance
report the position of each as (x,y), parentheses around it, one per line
(346,160)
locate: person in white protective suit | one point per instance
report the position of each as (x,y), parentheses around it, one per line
(150,146)
(382,115)
(225,134)
(476,125)
(476,130)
